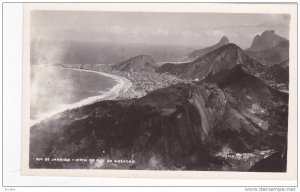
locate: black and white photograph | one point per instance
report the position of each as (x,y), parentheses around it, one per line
(159,91)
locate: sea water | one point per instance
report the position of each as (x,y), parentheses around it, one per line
(53,87)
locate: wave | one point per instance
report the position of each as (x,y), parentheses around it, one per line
(122,86)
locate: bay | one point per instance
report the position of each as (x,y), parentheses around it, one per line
(53,87)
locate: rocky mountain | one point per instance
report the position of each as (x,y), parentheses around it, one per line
(272,56)
(269,48)
(268,39)
(201,52)
(138,62)
(182,127)
(224,58)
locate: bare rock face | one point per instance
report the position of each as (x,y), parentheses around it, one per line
(268,39)
(269,48)
(210,103)
(255,115)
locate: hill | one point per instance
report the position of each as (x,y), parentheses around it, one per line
(199,53)
(135,63)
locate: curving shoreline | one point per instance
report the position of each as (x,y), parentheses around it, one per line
(120,88)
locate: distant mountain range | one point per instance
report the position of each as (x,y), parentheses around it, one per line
(199,53)
(267,57)
(224,58)
(138,62)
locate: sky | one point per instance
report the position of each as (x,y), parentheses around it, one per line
(179,29)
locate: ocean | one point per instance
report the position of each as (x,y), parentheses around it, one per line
(54,87)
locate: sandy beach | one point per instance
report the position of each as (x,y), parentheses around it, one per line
(120,88)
